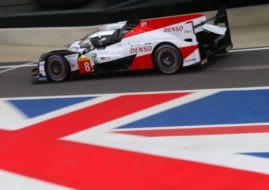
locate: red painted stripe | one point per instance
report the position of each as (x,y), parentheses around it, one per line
(200,131)
(142,62)
(86,167)
(3,132)
(157,23)
(186,51)
(97,114)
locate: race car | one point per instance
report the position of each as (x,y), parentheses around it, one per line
(166,44)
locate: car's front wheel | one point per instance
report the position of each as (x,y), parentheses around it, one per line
(167,59)
(57,68)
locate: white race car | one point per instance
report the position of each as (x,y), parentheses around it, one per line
(167,44)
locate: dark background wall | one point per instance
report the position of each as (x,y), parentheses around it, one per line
(41,13)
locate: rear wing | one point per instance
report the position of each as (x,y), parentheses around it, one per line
(221,19)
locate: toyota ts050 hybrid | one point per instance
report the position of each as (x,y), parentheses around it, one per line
(167,44)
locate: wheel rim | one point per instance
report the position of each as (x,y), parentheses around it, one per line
(168,60)
(56,70)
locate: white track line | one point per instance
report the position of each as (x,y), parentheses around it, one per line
(249,49)
(242,68)
(12,66)
(18,66)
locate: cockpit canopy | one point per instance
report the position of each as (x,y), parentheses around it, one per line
(106,36)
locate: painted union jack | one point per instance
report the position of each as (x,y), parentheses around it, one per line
(197,139)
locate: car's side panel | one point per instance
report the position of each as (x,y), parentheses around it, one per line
(142,62)
(114,65)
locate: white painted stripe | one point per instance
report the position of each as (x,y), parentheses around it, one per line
(57,113)
(11,181)
(221,150)
(18,66)
(191,127)
(218,150)
(10,117)
(107,127)
(137,93)
(249,49)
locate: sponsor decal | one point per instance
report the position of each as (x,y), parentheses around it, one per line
(143,49)
(173,29)
(144,24)
(73,66)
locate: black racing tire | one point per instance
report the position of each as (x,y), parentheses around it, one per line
(57,68)
(167,59)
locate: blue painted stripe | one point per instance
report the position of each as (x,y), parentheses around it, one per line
(228,107)
(258,154)
(37,107)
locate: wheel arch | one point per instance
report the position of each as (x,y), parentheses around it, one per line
(61,53)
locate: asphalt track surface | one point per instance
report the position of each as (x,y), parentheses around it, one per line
(236,69)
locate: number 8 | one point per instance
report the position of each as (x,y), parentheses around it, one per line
(87,66)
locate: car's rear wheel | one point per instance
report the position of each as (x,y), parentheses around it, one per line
(57,68)
(167,59)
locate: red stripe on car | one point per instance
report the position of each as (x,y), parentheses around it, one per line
(154,24)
